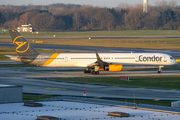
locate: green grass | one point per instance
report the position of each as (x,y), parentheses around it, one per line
(6,51)
(33,97)
(163,82)
(151,102)
(2,57)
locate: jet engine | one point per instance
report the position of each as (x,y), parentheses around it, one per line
(113,67)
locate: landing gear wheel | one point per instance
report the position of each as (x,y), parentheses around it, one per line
(95,72)
(87,71)
(159,71)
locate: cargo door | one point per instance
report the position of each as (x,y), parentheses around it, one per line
(136,58)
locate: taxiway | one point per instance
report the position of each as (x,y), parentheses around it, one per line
(37,80)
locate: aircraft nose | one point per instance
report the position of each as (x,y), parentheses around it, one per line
(175,62)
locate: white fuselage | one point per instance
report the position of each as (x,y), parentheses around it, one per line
(125,59)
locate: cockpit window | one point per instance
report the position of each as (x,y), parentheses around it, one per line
(171,58)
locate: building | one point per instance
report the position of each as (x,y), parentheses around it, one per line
(10,93)
(25,28)
(145,6)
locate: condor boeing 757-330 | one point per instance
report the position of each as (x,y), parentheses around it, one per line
(93,62)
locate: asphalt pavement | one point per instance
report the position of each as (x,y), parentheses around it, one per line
(39,80)
(93,37)
(174,53)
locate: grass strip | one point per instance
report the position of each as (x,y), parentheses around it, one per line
(162,82)
(151,102)
(35,97)
(38,97)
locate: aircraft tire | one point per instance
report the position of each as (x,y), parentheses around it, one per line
(85,71)
(159,71)
(97,72)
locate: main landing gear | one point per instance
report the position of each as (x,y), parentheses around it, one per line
(87,71)
(160,70)
(94,71)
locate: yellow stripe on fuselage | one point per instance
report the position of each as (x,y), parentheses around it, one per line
(51,59)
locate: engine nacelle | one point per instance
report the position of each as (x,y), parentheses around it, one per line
(114,67)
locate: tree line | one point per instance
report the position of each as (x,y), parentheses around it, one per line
(55,17)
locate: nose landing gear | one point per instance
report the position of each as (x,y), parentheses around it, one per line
(160,69)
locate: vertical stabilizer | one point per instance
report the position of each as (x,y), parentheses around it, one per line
(21,45)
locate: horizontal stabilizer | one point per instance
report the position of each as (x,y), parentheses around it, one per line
(9,56)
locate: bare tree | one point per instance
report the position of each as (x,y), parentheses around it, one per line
(172,4)
(133,19)
(150,21)
(23,19)
(124,6)
(104,19)
(76,19)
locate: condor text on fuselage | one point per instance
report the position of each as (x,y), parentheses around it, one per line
(150,59)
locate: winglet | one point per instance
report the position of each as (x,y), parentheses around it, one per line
(98,58)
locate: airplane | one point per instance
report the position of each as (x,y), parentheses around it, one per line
(93,62)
